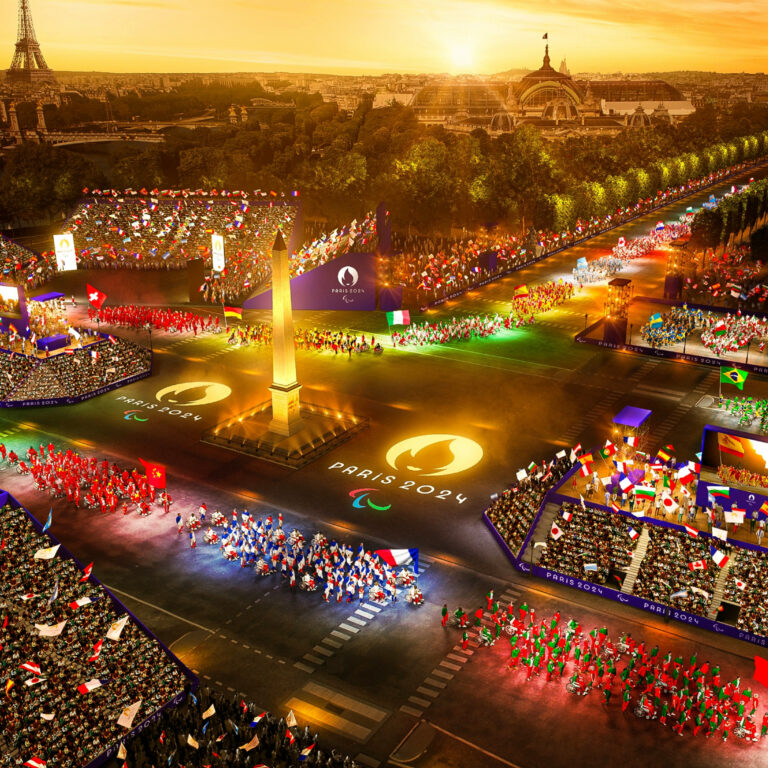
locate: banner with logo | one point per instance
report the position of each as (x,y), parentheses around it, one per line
(348,282)
(64,246)
(217,252)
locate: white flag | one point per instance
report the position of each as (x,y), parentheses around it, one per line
(48,553)
(720,533)
(209,712)
(128,714)
(46,716)
(290,721)
(252,744)
(122,752)
(192,742)
(50,630)
(117,628)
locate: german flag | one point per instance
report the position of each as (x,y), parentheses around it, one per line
(233,312)
(730,444)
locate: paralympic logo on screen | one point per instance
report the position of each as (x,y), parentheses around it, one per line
(362,499)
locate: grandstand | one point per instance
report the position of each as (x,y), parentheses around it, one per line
(74,658)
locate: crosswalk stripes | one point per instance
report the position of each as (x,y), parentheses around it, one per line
(453,662)
(666,394)
(590,417)
(336,711)
(425,563)
(334,641)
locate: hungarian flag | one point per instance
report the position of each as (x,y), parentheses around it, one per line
(233,312)
(95,297)
(698,565)
(730,444)
(399,317)
(720,559)
(733,376)
(155,473)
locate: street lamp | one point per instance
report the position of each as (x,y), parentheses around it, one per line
(630,332)
(749,344)
(149,331)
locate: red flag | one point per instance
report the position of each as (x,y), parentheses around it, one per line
(96,651)
(761,670)
(87,572)
(155,473)
(95,296)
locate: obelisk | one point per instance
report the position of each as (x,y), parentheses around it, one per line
(286,411)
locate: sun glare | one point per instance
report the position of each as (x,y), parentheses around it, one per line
(462,59)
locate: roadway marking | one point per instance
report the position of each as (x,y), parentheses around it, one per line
(364,614)
(355,620)
(474,746)
(428,692)
(332,643)
(441,673)
(412,711)
(304,667)
(313,659)
(324,651)
(336,633)
(448,665)
(347,628)
(436,683)
(158,608)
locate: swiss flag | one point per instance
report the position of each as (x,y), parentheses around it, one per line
(155,474)
(95,297)
(761,670)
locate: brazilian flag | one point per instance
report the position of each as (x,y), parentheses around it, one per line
(733,376)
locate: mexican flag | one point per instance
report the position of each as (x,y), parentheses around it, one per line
(399,317)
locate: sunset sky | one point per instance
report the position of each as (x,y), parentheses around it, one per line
(374,36)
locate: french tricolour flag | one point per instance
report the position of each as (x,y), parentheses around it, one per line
(719,558)
(395,557)
(91,685)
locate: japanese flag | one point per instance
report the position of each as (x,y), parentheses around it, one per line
(556,531)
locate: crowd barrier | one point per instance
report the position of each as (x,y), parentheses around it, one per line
(192,680)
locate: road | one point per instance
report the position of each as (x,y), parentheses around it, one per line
(366,677)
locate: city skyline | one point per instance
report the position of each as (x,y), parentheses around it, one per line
(454,36)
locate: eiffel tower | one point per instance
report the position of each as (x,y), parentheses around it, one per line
(28,67)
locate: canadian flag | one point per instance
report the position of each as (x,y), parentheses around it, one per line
(698,565)
(95,297)
(31,667)
(556,531)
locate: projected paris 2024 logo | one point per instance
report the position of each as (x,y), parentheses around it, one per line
(421,457)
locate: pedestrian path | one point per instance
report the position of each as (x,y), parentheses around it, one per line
(717,595)
(637,560)
(435,683)
(337,711)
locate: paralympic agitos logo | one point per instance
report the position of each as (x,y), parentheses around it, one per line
(362,499)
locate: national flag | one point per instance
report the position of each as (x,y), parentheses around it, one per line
(290,721)
(112,339)
(720,533)
(155,473)
(656,321)
(55,594)
(720,559)
(532,466)
(633,534)
(761,671)
(607,450)
(681,593)
(96,651)
(556,531)
(691,531)
(670,505)
(35,762)
(521,291)
(664,454)
(304,754)
(127,716)
(82,601)
(209,712)
(730,444)
(630,440)
(8,685)
(399,317)
(289,736)
(395,557)
(86,573)
(584,470)
(48,553)
(590,567)
(192,743)
(739,584)
(95,297)
(624,466)
(764,508)
(586,458)
(30,666)
(626,485)
(733,376)
(122,752)
(91,685)
(684,475)
(698,565)
(567,516)
(33,681)
(116,628)
(48,521)
(719,329)
(233,312)
(50,630)
(256,720)
(719,491)
(252,744)
(615,507)
(646,491)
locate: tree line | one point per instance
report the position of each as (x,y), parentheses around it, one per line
(344,163)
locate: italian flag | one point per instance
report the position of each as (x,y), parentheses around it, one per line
(399,317)
(645,490)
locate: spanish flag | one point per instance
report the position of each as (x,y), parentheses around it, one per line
(521,291)
(730,444)
(235,312)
